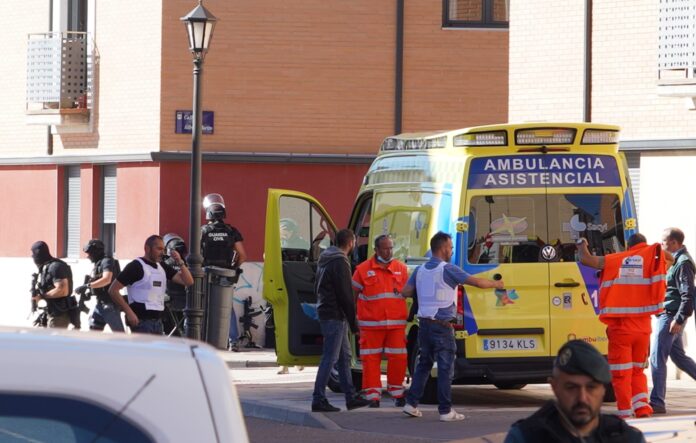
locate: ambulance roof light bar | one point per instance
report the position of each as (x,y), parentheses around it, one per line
(489,138)
(545,136)
(412,144)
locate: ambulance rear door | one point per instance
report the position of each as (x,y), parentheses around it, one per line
(598,209)
(298,229)
(506,238)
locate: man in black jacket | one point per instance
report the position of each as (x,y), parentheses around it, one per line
(580,373)
(336,310)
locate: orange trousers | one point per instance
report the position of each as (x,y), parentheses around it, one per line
(629,345)
(374,343)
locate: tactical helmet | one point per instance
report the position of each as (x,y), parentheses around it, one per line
(214,206)
(95,248)
(174,242)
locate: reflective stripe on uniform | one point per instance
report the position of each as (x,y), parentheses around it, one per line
(395,350)
(621,366)
(395,391)
(356,284)
(641,281)
(371,351)
(640,365)
(372,394)
(640,404)
(638,397)
(368,324)
(381,296)
(632,310)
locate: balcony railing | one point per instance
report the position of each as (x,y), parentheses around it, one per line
(60,77)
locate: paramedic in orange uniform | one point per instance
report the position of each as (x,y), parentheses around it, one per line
(377,284)
(632,288)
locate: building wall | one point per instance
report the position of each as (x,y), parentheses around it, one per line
(625,74)
(453,78)
(138,200)
(31,203)
(16,138)
(128,76)
(546,60)
(244,187)
(309,76)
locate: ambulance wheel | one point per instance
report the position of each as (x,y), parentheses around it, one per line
(509,386)
(430,391)
(609,395)
(335,384)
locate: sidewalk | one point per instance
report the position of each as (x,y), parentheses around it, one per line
(286,398)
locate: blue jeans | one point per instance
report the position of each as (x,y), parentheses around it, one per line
(149,326)
(436,342)
(666,345)
(336,348)
(106,314)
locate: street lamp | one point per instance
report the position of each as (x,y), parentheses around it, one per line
(199,25)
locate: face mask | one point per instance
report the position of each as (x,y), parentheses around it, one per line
(381,260)
(40,253)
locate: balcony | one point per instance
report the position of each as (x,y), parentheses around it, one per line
(60,80)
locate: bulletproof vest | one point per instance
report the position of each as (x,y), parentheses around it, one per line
(55,306)
(97,273)
(216,244)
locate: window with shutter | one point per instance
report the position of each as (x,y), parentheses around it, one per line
(72,214)
(109,208)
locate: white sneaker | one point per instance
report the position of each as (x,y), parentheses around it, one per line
(283,370)
(452,415)
(412,411)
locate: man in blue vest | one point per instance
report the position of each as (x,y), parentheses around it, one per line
(435,285)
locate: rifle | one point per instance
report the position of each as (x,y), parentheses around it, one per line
(247,322)
(85,294)
(34,291)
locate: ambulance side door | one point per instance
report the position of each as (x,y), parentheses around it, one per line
(298,229)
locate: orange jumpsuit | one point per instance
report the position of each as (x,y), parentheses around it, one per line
(382,322)
(632,289)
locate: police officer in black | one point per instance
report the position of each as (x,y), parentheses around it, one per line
(55,284)
(175,301)
(221,245)
(106,269)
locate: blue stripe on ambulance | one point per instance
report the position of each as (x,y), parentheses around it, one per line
(628,211)
(591,280)
(470,324)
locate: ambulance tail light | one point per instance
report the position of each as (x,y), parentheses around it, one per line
(459,324)
(600,137)
(545,136)
(490,138)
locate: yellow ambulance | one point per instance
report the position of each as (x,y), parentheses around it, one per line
(514,197)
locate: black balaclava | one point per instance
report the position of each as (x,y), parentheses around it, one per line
(40,253)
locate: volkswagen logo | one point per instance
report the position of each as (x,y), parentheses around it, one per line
(548,253)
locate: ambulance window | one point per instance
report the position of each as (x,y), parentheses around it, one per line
(596,217)
(362,232)
(304,231)
(507,228)
(407,218)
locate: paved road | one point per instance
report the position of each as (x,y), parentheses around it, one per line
(286,399)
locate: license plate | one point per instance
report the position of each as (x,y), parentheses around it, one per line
(510,344)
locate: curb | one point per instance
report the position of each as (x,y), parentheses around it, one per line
(251,364)
(268,411)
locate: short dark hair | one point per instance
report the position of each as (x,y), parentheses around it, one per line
(379,239)
(151,240)
(439,240)
(343,237)
(635,239)
(675,234)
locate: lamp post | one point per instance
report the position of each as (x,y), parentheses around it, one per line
(199,25)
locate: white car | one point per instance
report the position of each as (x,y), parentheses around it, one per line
(70,386)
